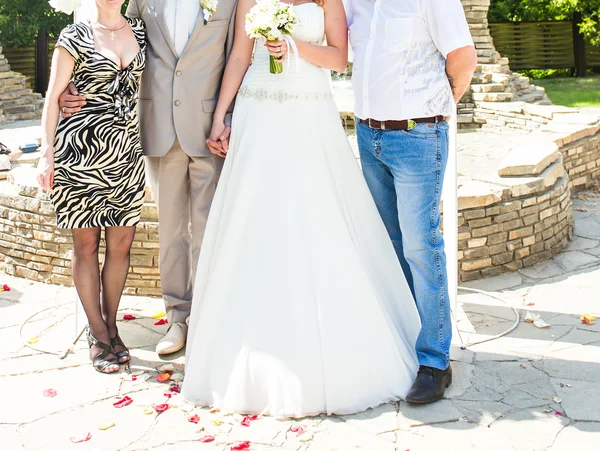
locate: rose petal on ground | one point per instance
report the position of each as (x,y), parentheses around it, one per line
(158,315)
(175,389)
(160,322)
(49,393)
(128,317)
(160,408)
(200,429)
(163,377)
(5,287)
(125,401)
(177,377)
(194,419)
(298,429)
(307,437)
(217,422)
(214,410)
(523,366)
(245,422)
(540,323)
(81,437)
(148,411)
(558,414)
(106,425)
(530,317)
(252,417)
(166,368)
(240,446)
(187,407)
(206,439)
(548,410)
(168,394)
(587,319)
(556,399)
(33,340)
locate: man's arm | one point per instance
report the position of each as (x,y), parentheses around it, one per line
(133,10)
(460,65)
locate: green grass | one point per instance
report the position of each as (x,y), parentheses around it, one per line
(573,92)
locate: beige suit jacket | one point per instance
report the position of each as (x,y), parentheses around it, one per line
(178,95)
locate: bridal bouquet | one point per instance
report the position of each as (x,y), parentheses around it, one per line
(66,6)
(272,20)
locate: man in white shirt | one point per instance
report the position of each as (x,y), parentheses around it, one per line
(413,60)
(186,56)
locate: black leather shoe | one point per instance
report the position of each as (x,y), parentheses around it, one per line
(430,385)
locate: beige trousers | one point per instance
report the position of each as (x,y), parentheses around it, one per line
(183,189)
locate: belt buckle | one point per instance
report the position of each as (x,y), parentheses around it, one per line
(411,124)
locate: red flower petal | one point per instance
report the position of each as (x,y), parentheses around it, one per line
(160,322)
(49,393)
(125,401)
(586,321)
(163,377)
(245,422)
(5,287)
(175,389)
(161,408)
(81,438)
(252,417)
(168,394)
(194,419)
(128,317)
(207,439)
(240,446)
(299,430)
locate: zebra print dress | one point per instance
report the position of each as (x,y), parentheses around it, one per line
(98,162)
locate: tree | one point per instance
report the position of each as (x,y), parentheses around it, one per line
(535,10)
(20,21)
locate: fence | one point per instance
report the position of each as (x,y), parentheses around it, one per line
(26,61)
(545,45)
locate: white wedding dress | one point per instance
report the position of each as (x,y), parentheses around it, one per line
(300,304)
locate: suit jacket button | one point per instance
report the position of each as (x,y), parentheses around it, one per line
(178,73)
(177,103)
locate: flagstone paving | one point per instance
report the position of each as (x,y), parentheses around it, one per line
(534,389)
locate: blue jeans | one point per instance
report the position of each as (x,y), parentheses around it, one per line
(405,171)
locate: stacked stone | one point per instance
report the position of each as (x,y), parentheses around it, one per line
(508,234)
(493,81)
(582,158)
(16,101)
(32,247)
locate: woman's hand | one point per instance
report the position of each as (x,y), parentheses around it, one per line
(218,142)
(277,49)
(45,176)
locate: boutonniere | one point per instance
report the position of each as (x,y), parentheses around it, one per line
(209,7)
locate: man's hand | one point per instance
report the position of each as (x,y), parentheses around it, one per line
(70,102)
(218,142)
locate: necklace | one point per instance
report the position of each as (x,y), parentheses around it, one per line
(113,31)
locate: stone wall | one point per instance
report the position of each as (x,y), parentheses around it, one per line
(16,100)
(510,233)
(32,247)
(522,214)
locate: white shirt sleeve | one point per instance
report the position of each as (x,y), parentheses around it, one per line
(447,24)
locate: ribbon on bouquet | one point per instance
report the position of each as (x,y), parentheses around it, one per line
(291,44)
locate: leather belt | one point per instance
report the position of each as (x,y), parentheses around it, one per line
(408,124)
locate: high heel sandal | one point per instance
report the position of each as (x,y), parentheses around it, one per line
(116,341)
(100,362)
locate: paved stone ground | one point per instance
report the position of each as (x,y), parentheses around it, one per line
(534,389)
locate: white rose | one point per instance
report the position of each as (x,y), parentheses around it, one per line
(66,6)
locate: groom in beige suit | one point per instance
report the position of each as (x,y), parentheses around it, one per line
(186,58)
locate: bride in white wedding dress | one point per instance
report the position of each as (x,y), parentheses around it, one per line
(300,304)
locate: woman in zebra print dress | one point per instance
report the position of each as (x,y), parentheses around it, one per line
(93,164)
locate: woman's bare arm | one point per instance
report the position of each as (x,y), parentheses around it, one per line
(334,55)
(60,75)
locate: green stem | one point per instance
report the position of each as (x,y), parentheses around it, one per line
(275,66)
